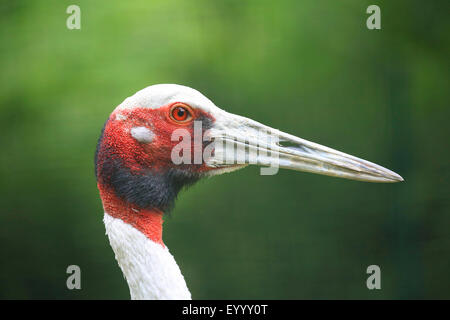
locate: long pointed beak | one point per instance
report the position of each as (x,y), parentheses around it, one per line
(239,141)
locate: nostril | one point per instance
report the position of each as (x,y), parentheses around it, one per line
(294,146)
(287,144)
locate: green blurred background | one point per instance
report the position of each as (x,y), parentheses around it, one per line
(310,68)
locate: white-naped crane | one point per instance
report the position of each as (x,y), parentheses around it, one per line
(139,178)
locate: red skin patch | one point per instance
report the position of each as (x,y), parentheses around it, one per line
(118,143)
(149,222)
(157,154)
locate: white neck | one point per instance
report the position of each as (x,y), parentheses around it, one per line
(148,267)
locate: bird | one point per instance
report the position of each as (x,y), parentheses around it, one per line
(166,137)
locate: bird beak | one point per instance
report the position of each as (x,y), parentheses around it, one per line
(239,141)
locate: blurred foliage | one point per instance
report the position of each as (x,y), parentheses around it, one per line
(310,68)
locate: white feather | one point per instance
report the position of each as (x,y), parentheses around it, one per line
(159,95)
(148,267)
(142,134)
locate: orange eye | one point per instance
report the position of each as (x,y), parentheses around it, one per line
(180,113)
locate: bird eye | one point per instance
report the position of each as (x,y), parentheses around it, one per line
(180,113)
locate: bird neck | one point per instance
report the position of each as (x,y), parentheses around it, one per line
(147,221)
(148,266)
(135,236)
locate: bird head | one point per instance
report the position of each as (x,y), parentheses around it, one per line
(168,136)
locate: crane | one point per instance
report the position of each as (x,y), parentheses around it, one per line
(166,137)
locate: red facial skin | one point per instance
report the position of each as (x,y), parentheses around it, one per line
(155,155)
